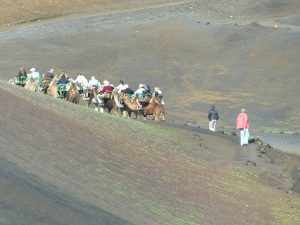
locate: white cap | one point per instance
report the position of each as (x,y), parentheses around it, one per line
(32,70)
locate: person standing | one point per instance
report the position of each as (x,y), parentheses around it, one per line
(213,116)
(242,124)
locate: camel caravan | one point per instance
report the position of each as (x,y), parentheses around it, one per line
(121,99)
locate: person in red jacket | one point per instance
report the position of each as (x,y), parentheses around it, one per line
(106,87)
(242,124)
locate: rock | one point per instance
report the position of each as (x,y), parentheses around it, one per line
(268,145)
(281,132)
(233,133)
(259,141)
(263,151)
(249,161)
(296,133)
(251,140)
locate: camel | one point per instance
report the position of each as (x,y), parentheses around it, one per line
(73,94)
(154,108)
(130,106)
(112,103)
(109,101)
(51,89)
(94,98)
(32,85)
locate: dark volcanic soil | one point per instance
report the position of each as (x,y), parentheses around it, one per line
(199,53)
(55,155)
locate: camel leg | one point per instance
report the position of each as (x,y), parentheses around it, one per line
(163,117)
(137,115)
(124,114)
(117,112)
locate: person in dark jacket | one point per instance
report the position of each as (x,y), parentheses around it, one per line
(61,85)
(213,116)
(63,80)
(127,90)
(147,89)
(21,78)
(49,74)
(22,72)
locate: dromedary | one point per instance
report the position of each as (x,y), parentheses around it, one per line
(130,106)
(107,102)
(110,102)
(51,89)
(93,98)
(73,94)
(31,85)
(154,108)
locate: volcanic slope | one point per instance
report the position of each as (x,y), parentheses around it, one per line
(199,53)
(110,170)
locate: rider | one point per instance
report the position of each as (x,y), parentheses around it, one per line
(22,72)
(35,75)
(82,81)
(127,90)
(93,82)
(63,80)
(157,93)
(147,89)
(49,74)
(140,93)
(106,87)
(61,83)
(22,75)
(121,86)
